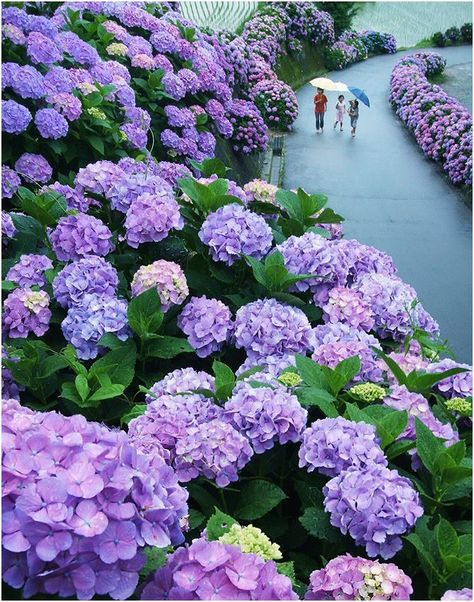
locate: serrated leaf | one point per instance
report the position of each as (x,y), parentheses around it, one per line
(313,396)
(144,313)
(311,372)
(106,393)
(317,523)
(428,446)
(258,497)
(218,524)
(166,347)
(82,386)
(447,539)
(138,410)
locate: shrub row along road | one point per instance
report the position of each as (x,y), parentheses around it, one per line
(391,195)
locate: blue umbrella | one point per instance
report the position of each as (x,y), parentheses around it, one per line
(360,94)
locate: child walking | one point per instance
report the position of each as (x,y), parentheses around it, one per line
(354,115)
(340,110)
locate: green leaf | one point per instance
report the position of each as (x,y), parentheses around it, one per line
(144,313)
(155,558)
(69,392)
(135,412)
(343,373)
(287,569)
(107,393)
(258,270)
(393,424)
(313,396)
(82,386)
(428,446)
(196,519)
(166,347)
(97,143)
(398,448)
(460,489)
(316,522)
(258,497)
(224,379)
(154,79)
(311,372)
(392,364)
(53,364)
(119,364)
(210,167)
(218,524)
(46,208)
(447,539)
(456,473)
(420,381)
(328,216)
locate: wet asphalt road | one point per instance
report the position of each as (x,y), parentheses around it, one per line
(391,195)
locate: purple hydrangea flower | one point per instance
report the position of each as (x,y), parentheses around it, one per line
(66,104)
(10,389)
(80,501)
(34,168)
(182,380)
(26,311)
(207,324)
(331,354)
(10,182)
(74,198)
(271,367)
(267,327)
(98,177)
(348,307)
(207,570)
(460,594)
(27,82)
(459,385)
(41,49)
(29,270)
(332,445)
(8,227)
(172,172)
(233,231)
(354,578)
(15,117)
(58,80)
(79,235)
(128,187)
(167,277)
(89,275)
(265,415)
(214,450)
(51,124)
(151,217)
(168,418)
(86,323)
(374,505)
(338,333)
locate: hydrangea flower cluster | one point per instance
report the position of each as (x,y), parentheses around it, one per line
(167,277)
(249,129)
(182,380)
(233,231)
(208,570)
(265,415)
(277,103)
(89,275)
(331,354)
(368,392)
(77,236)
(348,306)
(79,504)
(207,323)
(267,327)
(374,505)
(460,594)
(354,578)
(26,311)
(8,227)
(332,445)
(251,540)
(93,317)
(261,191)
(459,385)
(29,271)
(441,125)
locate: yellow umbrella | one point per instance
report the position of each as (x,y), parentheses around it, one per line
(327,84)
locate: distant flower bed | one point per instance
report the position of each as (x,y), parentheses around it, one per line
(441,125)
(453,36)
(354,46)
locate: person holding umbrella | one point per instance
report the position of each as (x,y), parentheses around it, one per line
(354,115)
(320,106)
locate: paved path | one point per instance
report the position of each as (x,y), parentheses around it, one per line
(391,195)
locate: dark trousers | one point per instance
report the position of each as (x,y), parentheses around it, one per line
(319,120)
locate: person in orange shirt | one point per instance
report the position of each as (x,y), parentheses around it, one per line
(320,106)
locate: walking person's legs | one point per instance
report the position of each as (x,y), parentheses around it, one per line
(321,121)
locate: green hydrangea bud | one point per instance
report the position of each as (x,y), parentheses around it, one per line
(460,406)
(116,49)
(290,379)
(96,113)
(367,392)
(251,540)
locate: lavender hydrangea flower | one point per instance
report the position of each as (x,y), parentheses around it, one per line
(10,389)
(354,578)
(10,182)
(459,385)
(374,505)
(79,235)
(168,418)
(207,570)
(460,594)
(151,217)
(8,227)
(80,501)
(34,168)
(51,124)
(271,367)
(348,307)
(267,327)
(29,270)
(15,117)
(338,333)
(129,187)
(167,277)
(330,354)
(98,177)
(75,199)
(89,275)
(27,82)
(265,415)
(41,49)
(26,311)
(66,104)
(172,172)
(86,323)
(181,380)
(207,324)
(214,450)
(232,231)
(332,445)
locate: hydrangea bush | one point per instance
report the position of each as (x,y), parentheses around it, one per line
(209,393)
